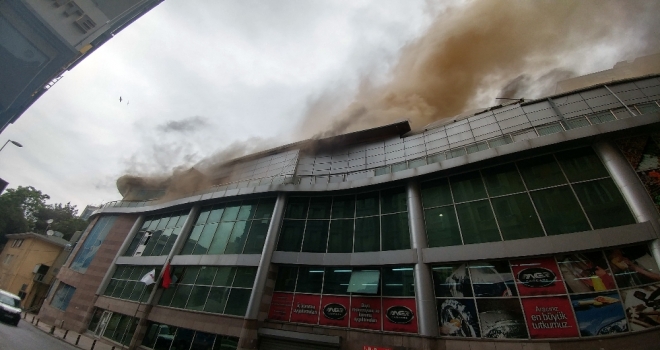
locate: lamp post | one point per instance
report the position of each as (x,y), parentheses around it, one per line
(14,142)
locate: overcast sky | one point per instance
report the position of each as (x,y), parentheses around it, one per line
(197,76)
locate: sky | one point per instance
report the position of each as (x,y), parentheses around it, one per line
(198,78)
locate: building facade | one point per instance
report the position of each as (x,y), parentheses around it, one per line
(532,224)
(41,39)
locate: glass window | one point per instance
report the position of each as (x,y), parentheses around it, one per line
(442,227)
(286,279)
(205,239)
(291,235)
(541,172)
(336,280)
(319,208)
(343,207)
(92,242)
(62,296)
(198,298)
(257,237)
(221,237)
(224,276)
(341,236)
(603,203)
(366,204)
(238,237)
(581,164)
(503,179)
(215,215)
(516,217)
(316,236)
(238,301)
(367,234)
(206,275)
(310,280)
(247,210)
(395,231)
(296,208)
(477,222)
(559,211)
(364,282)
(217,300)
(398,281)
(265,208)
(467,187)
(393,200)
(192,240)
(231,212)
(245,277)
(452,281)
(435,193)
(181,295)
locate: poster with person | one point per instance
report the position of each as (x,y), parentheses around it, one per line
(633,266)
(586,272)
(452,281)
(642,306)
(458,318)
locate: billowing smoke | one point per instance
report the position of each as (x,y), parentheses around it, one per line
(473,53)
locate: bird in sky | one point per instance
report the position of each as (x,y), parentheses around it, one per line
(119,98)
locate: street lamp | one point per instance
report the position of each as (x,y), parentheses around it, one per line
(14,142)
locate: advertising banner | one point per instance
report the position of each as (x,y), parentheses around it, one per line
(458,318)
(334,311)
(642,306)
(538,276)
(452,281)
(280,306)
(501,318)
(400,315)
(306,308)
(365,313)
(492,279)
(599,313)
(586,272)
(633,266)
(549,317)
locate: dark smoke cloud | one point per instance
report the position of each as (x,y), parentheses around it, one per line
(186,125)
(471,52)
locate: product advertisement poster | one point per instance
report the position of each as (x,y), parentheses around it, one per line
(633,266)
(642,306)
(306,308)
(458,318)
(586,272)
(537,277)
(549,317)
(400,315)
(492,279)
(452,281)
(365,313)
(501,318)
(334,311)
(280,306)
(599,313)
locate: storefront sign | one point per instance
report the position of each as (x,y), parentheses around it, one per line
(365,313)
(334,311)
(280,306)
(400,315)
(537,277)
(306,308)
(550,317)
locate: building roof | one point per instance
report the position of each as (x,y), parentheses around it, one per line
(60,242)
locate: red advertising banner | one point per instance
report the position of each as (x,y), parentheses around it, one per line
(550,317)
(334,311)
(306,308)
(365,313)
(280,306)
(537,277)
(400,315)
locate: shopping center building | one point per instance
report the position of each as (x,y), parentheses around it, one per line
(531,224)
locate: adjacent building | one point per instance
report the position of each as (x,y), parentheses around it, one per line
(41,39)
(528,224)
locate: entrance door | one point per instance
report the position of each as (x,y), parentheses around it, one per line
(103,322)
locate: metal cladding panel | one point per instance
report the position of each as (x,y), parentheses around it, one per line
(435,134)
(516,123)
(602,103)
(457,128)
(380,149)
(629,93)
(648,82)
(376,159)
(394,147)
(508,112)
(416,150)
(397,154)
(487,129)
(482,120)
(574,109)
(491,135)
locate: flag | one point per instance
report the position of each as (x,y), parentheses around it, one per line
(149,278)
(167,279)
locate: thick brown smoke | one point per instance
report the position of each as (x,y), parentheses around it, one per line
(484,46)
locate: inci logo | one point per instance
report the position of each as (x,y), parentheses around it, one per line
(399,314)
(536,277)
(334,311)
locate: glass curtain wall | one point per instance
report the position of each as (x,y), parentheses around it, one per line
(553,194)
(92,242)
(158,234)
(125,283)
(161,336)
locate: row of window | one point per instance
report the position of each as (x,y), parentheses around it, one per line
(365,222)
(17,243)
(157,235)
(548,195)
(62,296)
(125,283)
(222,290)
(114,326)
(165,337)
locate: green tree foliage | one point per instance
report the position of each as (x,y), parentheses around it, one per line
(24,209)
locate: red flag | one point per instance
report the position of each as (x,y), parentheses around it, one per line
(167,279)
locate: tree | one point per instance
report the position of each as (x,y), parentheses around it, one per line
(24,209)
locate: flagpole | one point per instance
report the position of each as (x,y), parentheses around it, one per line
(134,316)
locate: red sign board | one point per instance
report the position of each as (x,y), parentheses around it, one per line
(306,308)
(365,313)
(280,306)
(334,311)
(549,317)
(537,277)
(399,315)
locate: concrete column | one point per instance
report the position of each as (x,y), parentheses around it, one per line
(631,188)
(127,241)
(424,294)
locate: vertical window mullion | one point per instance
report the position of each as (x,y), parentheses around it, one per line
(531,200)
(497,223)
(453,203)
(570,185)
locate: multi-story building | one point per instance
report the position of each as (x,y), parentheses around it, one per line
(532,224)
(41,39)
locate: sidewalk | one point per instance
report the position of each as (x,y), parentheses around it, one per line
(81,341)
